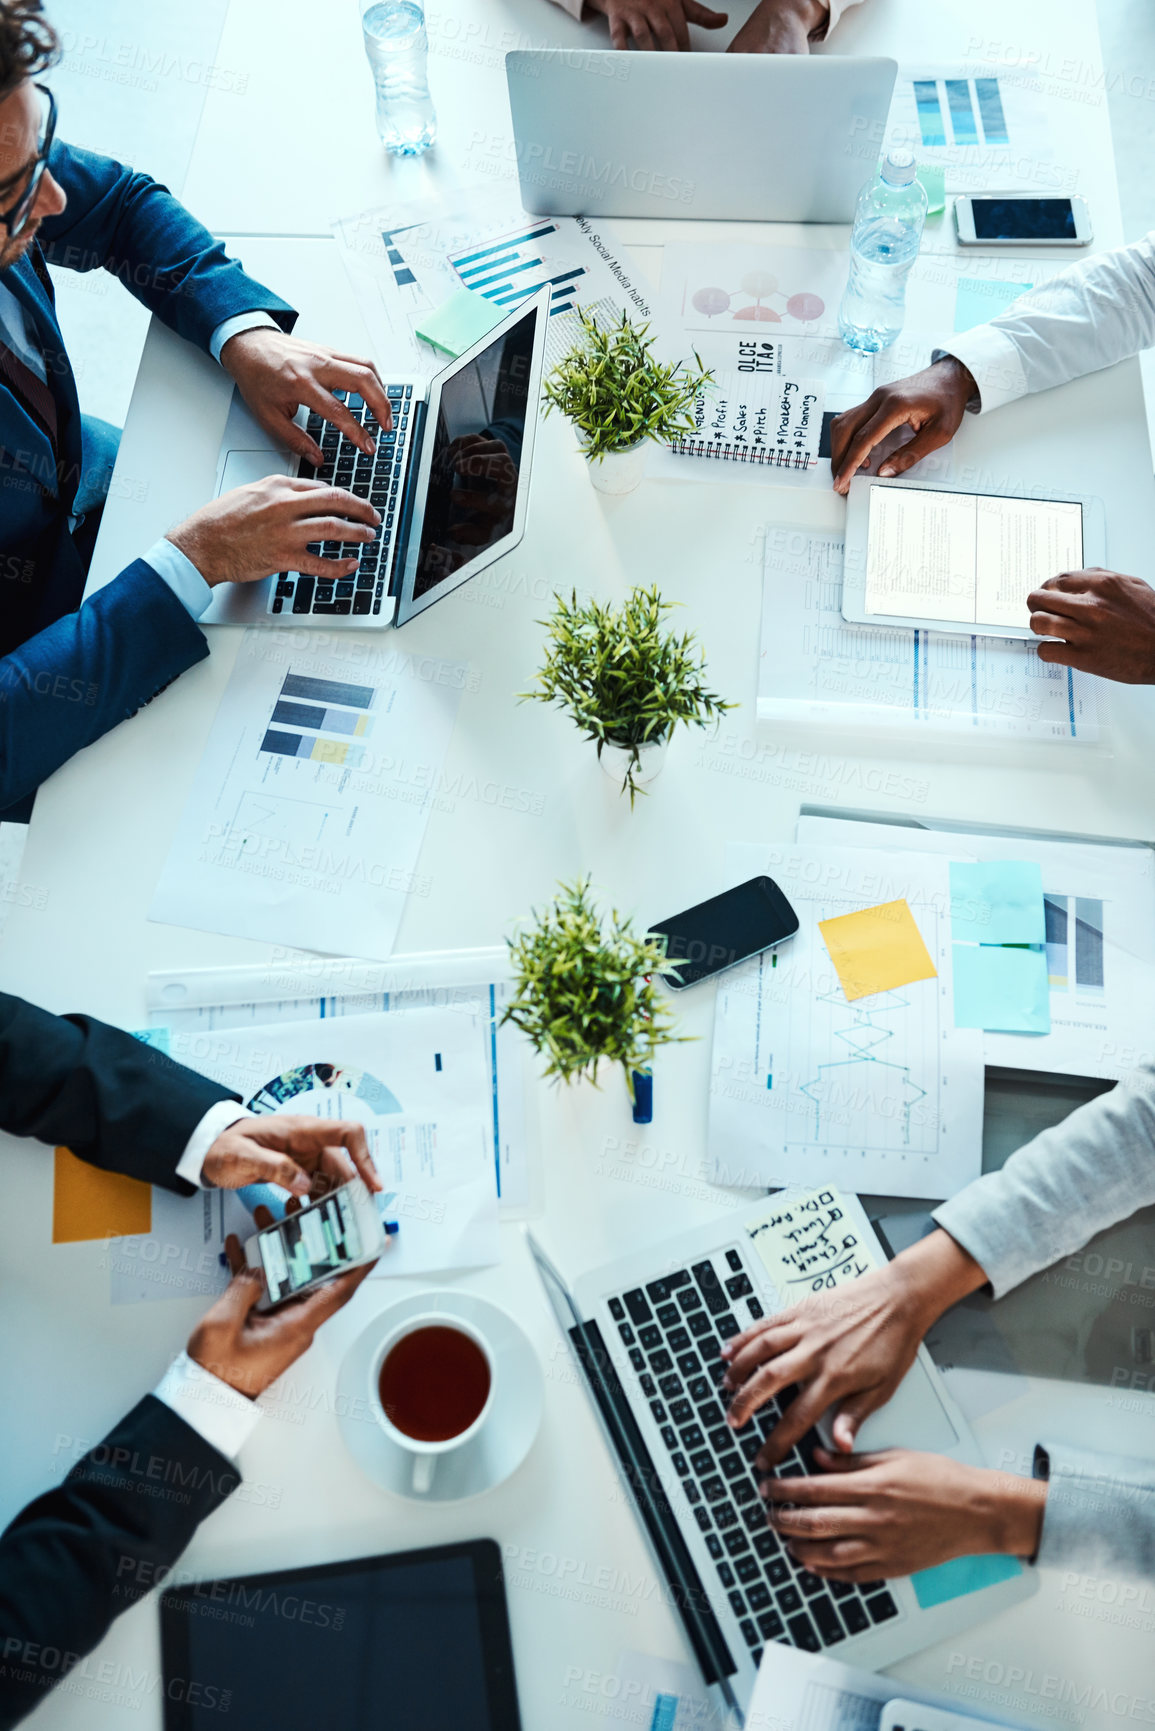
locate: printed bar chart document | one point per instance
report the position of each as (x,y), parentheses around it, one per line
(308,810)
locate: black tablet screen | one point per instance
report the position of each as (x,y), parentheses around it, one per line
(416,1642)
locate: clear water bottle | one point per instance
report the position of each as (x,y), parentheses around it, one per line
(398,50)
(883,246)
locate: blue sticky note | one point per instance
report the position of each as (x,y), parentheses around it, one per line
(1001,989)
(157,1037)
(961,1575)
(978,299)
(997,902)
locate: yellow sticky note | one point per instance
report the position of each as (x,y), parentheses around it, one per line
(877,949)
(88,1203)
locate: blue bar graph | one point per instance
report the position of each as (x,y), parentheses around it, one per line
(515,266)
(991,114)
(962,114)
(930,122)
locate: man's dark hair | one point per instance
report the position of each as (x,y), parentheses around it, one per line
(28,43)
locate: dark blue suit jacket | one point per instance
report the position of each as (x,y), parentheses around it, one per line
(69,673)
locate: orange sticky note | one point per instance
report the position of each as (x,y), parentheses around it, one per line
(88,1203)
(877,949)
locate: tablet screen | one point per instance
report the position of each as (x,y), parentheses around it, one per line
(413,1642)
(965,558)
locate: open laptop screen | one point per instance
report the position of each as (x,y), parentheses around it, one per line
(475,470)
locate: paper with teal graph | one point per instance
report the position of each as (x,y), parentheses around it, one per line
(978,299)
(997,902)
(1001,988)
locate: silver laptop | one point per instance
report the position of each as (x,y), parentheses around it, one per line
(450,479)
(647,1333)
(607,134)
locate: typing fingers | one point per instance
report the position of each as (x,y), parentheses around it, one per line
(331,409)
(704,16)
(354,373)
(318,498)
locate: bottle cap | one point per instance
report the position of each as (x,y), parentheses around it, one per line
(898,167)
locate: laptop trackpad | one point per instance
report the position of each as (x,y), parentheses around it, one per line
(241,467)
(913,1418)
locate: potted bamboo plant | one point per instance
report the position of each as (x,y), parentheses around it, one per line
(619,397)
(627,683)
(585,991)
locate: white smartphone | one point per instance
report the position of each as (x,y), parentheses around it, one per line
(321,1240)
(1016,219)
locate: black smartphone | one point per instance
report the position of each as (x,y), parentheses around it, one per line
(727,929)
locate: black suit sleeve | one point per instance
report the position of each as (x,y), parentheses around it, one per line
(117,1103)
(79,1555)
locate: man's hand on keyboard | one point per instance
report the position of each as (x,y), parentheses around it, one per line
(277,373)
(268,526)
(851,1346)
(874,1516)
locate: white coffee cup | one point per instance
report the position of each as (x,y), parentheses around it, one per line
(426,1454)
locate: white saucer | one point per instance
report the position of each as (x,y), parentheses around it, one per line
(503,1441)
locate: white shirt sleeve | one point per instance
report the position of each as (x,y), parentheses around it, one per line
(837,8)
(225,1418)
(178,571)
(1097,312)
(216,1119)
(234,326)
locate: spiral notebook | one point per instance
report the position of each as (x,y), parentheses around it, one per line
(756,418)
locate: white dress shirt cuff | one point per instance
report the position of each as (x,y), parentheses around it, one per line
(994,362)
(234,326)
(178,571)
(223,1417)
(216,1119)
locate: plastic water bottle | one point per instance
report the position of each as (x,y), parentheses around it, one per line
(398,50)
(883,246)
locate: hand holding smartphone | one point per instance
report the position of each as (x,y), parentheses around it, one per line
(317,1242)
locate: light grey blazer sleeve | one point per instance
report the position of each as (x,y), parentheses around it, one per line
(1096,1167)
(1100,1512)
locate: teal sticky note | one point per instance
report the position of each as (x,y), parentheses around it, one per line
(997,902)
(158,1037)
(978,299)
(460,322)
(961,1575)
(1001,989)
(933,183)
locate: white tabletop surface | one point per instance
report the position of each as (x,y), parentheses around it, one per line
(268,164)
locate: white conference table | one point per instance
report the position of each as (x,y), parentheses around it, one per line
(580,1583)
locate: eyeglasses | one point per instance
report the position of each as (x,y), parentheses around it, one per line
(15,220)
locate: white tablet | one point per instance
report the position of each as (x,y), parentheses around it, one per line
(943,559)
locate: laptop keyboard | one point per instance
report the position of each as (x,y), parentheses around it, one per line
(673,1330)
(380,479)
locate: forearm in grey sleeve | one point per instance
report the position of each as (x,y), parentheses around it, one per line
(1097,312)
(1096,1167)
(1100,1512)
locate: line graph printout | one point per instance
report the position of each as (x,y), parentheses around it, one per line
(309,807)
(883,1094)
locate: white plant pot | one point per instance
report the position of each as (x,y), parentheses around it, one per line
(618,471)
(616,760)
